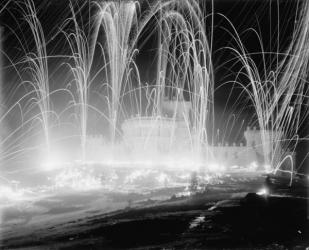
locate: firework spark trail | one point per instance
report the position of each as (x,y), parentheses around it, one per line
(35,105)
(278,97)
(184,61)
(122,29)
(1,90)
(185,57)
(82,57)
(39,95)
(294,76)
(118,21)
(37,65)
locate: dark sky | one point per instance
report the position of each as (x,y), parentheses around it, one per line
(260,15)
(265,16)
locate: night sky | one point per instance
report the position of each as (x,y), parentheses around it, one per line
(262,16)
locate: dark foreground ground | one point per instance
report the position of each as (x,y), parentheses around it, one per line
(203,221)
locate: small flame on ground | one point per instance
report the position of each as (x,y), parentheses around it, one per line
(263,192)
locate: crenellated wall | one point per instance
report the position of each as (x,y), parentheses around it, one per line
(161,136)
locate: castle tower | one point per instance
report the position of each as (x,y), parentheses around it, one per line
(265,143)
(178,108)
